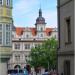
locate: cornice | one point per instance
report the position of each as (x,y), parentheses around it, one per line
(64,3)
(9,7)
(66,53)
(6,17)
(27,40)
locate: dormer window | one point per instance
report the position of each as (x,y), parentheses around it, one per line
(41,29)
(27,36)
(49,33)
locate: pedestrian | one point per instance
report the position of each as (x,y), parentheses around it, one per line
(25,71)
(51,72)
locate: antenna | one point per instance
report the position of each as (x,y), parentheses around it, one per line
(40,4)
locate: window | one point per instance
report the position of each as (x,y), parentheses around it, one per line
(0,2)
(27,46)
(55,36)
(7,2)
(17,46)
(68,30)
(49,33)
(7,37)
(67,67)
(26,57)
(41,29)
(36,45)
(0,37)
(0,27)
(17,57)
(12,36)
(27,36)
(7,27)
(41,35)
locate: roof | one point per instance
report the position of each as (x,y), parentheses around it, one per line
(20,30)
(33,30)
(48,31)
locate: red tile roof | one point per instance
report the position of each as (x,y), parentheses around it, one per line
(48,31)
(19,31)
(33,30)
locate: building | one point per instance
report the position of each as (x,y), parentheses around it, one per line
(66,37)
(5,34)
(24,38)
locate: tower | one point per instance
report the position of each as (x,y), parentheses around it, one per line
(5,34)
(66,28)
(40,24)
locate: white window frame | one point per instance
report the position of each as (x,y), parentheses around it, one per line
(27,46)
(8,2)
(41,28)
(1,39)
(17,46)
(1,2)
(7,37)
(27,36)
(41,35)
(0,27)
(7,27)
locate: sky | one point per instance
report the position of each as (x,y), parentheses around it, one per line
(25,12)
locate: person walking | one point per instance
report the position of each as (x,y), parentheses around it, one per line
(25,72)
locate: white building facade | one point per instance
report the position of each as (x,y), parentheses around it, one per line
(23,39)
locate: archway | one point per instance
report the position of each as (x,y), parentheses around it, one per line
(17,66)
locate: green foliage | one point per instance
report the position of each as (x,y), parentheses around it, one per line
(44,55)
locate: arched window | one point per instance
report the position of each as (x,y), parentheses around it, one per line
(17,66)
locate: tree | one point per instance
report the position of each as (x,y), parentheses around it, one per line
(44,55)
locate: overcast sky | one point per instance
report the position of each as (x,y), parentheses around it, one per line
(25,12)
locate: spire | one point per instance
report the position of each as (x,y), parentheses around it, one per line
(40,19)
(40,12)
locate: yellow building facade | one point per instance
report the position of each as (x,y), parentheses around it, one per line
(6,23)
